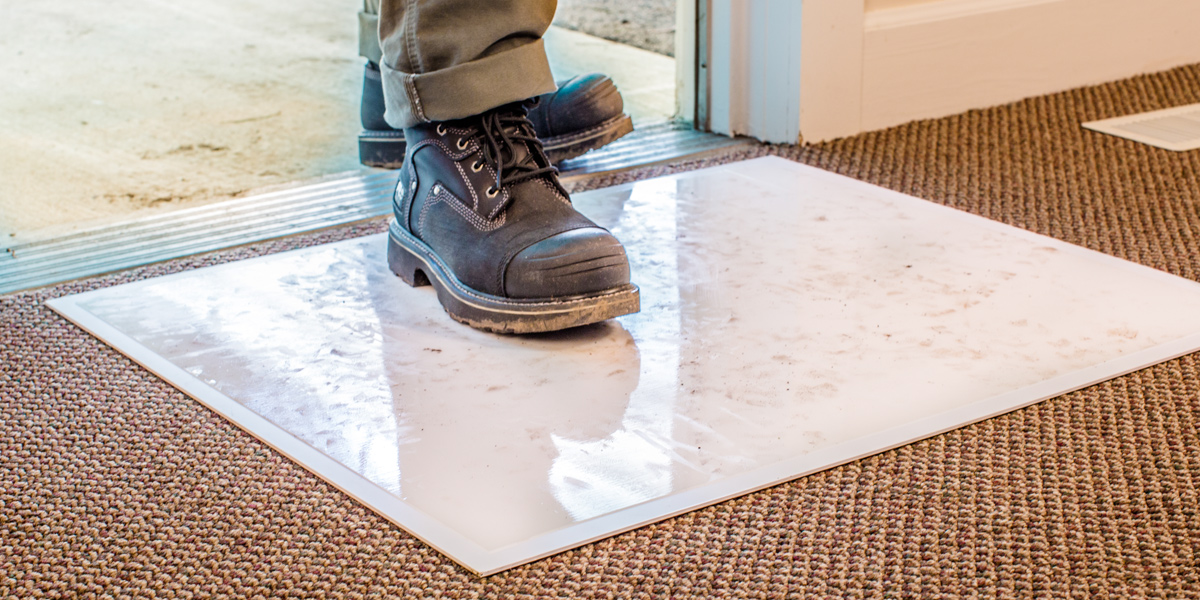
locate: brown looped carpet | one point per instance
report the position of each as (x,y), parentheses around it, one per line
(113,484)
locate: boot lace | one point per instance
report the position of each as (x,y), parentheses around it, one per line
(500,132)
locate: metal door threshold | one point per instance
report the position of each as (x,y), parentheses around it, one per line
(292,211)
(650,144)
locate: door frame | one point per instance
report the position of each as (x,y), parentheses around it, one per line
(789,71)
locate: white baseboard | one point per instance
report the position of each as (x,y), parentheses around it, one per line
(938,10)
(939,58)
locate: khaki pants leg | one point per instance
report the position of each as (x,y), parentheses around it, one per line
(449,59)
(368,31)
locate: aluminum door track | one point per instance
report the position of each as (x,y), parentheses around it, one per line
(328,203)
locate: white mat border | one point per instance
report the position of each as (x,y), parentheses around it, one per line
(483,562)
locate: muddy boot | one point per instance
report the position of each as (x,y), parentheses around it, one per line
(584,114)
(480,214)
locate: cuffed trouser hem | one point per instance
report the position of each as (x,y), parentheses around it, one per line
(368,36)
(467,89)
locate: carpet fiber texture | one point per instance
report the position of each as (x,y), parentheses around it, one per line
(114,484)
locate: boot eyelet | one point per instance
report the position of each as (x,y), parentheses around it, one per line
(477,166)
(492,191)
(441,129)
(462,144)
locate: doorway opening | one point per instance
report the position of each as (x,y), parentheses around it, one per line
(216,123)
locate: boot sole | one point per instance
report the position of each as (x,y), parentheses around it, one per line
(385,149)
(417,264)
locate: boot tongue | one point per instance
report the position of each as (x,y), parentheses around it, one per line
(517,158)
(517,151)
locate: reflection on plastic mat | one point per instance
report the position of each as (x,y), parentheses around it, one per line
(792,320)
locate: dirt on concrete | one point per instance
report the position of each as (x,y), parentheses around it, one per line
(113,108)
(645,24)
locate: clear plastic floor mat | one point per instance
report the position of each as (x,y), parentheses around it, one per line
(792,320)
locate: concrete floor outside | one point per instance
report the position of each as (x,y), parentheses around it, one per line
(122,108)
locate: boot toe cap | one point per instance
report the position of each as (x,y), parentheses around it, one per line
(581,102)
(579,261)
